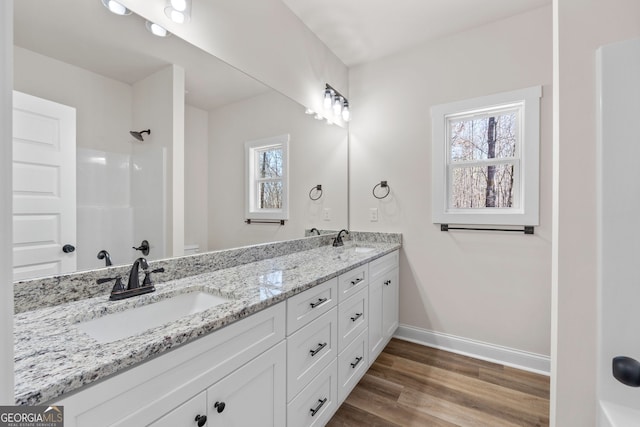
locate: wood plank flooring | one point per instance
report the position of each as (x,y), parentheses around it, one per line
(413,385)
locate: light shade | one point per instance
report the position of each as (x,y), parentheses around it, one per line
(179,11)
(116,7)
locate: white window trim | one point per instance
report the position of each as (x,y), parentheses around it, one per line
(527,213)
(251,212)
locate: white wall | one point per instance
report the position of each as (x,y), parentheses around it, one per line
(196,177)
(263,38)
(317,155)
(103,105)
(581,27)
(489,287)
(6,194)
(158,204)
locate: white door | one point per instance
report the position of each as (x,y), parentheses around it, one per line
(44,187)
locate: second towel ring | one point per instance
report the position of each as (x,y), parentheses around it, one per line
(317,188)
(383,184)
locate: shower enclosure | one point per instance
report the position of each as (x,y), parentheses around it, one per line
(618,85)
(120,202)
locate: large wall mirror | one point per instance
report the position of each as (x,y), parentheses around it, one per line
(182,187)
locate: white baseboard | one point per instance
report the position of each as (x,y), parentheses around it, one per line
(524,360)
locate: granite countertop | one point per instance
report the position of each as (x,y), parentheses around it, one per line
(53,357)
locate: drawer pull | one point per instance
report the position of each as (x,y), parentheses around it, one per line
(356,317)
(317,303)
(358,360)
(358,280)
(317,350)
(201,420)
(219,406)
(321,402)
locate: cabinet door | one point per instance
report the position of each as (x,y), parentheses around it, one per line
(189,414)
(253,395)
(390,304)
(376,339)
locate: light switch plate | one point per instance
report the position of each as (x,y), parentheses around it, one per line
(326,214)
(373,214)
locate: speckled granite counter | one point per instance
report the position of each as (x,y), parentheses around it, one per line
(52,357)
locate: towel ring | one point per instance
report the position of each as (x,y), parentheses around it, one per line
(383,184)
(318,188)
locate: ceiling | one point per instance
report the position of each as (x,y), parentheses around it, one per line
(359,31)
(120,47)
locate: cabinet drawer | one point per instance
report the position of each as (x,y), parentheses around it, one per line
(352,364)
(352,281)
(353,317)
(308,305)
(382,265)
(316,404)
(310,350)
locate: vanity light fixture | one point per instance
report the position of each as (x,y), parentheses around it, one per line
(156,29)
(116,7)
(336,105)
(179,11)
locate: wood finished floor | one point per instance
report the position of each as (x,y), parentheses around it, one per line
(413,385)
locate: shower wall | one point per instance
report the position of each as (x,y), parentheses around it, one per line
(618,67)
(119,203)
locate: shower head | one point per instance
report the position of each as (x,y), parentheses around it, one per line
(138,135)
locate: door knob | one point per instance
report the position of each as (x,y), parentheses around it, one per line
(67,249)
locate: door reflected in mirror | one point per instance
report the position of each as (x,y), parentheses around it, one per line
(183,187)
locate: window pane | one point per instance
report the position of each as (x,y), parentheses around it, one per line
(269,163)
(270,195)
(482,187)
(480,138)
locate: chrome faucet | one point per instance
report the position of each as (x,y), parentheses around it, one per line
(134,278)
(338,240)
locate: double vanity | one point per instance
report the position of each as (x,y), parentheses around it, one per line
(279,338)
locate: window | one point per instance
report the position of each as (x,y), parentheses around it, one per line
(485,159)
(267,178)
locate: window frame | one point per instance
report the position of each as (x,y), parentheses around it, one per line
(526,207)
(252,211)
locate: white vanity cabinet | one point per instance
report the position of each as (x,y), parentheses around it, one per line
(383,302)
(291,364)
(168,386)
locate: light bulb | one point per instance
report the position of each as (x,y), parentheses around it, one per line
(309,111)
(318,117)
(327,99)
(116,7)
(177,17)
(346,114)
(337,106)
(179,5)
(156,29)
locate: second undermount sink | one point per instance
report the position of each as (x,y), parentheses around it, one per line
(362,249)
(123,324)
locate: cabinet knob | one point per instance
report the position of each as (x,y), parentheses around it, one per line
(387,282)
(219,406)
(67,249)
(201,420)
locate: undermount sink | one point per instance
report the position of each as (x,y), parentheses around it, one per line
(362,249)
(123,324)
